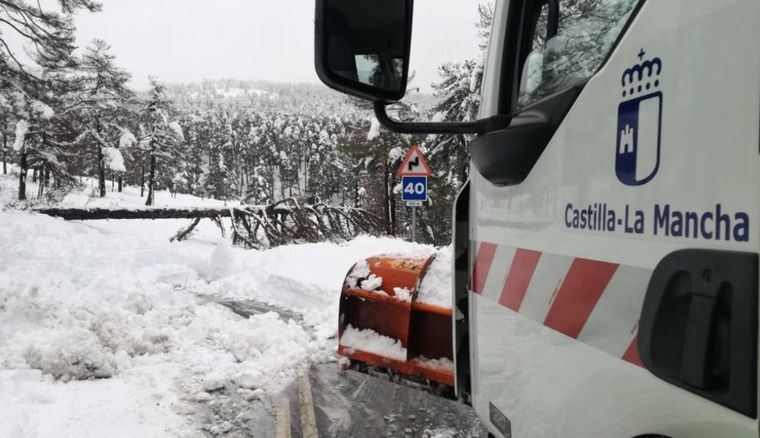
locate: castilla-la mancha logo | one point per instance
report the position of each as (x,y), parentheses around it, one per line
(639,122)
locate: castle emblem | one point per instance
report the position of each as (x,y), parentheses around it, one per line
(639,123)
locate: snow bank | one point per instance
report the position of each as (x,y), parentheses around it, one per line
(436,287)
(108,329)
(66,355)
(373,342)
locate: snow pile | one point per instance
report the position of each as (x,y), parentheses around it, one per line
(75,354)
(436,287)
(108,329)
(114,160)
(372,342)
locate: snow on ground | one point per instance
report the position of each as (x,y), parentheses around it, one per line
(108,329)
(130,198)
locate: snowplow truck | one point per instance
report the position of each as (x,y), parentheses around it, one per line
(604,273)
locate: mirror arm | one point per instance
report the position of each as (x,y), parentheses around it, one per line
(477,127)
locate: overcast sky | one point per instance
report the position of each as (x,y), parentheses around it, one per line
(192,40)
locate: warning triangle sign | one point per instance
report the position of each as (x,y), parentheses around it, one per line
(414,164)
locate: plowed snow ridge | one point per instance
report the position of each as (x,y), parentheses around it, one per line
(102,332)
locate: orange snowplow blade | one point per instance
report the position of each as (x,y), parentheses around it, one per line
(385,325)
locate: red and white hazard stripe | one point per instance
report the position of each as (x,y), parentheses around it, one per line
(597,303)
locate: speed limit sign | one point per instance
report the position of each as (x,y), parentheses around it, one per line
(414,188)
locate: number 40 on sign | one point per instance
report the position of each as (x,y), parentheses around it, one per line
(414,188)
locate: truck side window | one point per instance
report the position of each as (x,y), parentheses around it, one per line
(587,30)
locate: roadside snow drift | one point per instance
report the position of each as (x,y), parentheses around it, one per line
(108,329)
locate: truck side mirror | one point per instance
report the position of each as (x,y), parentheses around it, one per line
(362,46)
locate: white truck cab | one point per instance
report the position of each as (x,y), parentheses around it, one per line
(606,246)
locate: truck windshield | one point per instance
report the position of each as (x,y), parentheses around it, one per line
(587,30)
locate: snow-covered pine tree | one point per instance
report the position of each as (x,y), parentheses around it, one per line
(102,102)
(196,166)
(47,33)
(382,152)
(161,136)
(459,94)
(5,132)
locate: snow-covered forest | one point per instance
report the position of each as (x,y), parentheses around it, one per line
(69,114)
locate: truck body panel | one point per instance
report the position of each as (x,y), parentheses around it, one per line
(560,263)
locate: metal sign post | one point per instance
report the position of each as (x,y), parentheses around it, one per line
(414,224)
(414,173)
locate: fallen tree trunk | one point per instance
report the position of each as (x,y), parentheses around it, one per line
(87,214)
(257,227)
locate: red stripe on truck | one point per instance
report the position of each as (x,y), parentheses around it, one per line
(518,278)
(632,353)
(482,265)
(577,296)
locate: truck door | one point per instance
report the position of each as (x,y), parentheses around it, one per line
(614,224)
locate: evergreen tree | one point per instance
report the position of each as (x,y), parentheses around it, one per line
(102,101)
(161,137)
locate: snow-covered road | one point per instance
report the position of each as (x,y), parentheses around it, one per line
(108,329)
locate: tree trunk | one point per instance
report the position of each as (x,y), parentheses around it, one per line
(34,175)
(142,178)
(387,195)
(392,200)
(151,179)
(146,213)
(41,185)
(119,183)
(5,153)
(101,173)
(22,177)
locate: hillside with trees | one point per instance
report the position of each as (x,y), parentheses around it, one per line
(71,114)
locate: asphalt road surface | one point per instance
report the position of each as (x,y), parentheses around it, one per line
(330,402)
(344,403)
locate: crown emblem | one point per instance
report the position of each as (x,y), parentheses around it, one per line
(641,78)
(639,128)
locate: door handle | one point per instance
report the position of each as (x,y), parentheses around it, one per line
(695,359)
(699,325)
